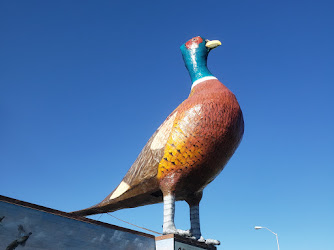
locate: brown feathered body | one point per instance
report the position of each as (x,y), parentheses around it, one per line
(185,154)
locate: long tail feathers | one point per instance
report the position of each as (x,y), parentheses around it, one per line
(107,205)
(86,212)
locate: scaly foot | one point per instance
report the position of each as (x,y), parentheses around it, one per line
(207,241)
(184,233)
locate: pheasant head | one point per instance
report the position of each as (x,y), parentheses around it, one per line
(195,53)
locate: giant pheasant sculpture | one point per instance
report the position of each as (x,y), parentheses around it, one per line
(187,151)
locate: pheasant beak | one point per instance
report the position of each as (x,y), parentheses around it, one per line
(212,44)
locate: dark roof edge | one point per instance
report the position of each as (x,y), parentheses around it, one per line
(70,216)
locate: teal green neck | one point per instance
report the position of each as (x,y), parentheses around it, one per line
(195,61)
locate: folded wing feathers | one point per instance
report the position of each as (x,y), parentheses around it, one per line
(146,164)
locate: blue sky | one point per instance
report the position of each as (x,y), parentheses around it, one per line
(84,84)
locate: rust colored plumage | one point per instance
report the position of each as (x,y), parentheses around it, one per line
(206,132)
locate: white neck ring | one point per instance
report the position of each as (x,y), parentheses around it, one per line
(203,79)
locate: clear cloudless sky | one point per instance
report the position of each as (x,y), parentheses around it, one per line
(84,84)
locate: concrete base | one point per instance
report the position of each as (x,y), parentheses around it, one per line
(172,241)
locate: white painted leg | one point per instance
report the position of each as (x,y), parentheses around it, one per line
(196,229)
(169,212)
(194,221)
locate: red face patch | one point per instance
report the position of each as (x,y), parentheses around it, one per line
(194,42)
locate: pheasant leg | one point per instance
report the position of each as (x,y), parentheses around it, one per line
(195,230)
(169,212)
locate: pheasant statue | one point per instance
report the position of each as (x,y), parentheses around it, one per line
(187,151)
